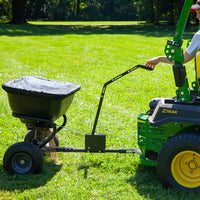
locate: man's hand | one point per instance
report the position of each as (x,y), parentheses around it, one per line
(153,62)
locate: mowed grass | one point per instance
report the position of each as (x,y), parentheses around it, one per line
(89,55)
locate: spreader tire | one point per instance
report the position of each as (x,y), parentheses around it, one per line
(31,135)
(23,158)
(179,162)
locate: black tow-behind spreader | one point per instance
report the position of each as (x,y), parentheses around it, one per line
(38,102)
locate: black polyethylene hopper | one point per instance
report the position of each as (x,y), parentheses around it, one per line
(40,97)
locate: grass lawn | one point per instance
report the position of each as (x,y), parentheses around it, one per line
(89,54)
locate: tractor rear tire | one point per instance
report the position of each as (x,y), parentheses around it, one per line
(23,158)
(179,162)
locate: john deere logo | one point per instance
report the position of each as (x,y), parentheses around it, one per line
(170,111)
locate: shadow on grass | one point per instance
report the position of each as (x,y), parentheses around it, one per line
(147,183)
(85,167)
(138,29)
(29,181)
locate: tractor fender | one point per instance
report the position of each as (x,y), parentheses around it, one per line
(171,111)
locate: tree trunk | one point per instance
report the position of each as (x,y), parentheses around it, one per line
(157,11)
(78,8)
(152,18)
(180,4)
(171,14)
(18,7)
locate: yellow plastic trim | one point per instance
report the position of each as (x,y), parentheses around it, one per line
(141,121)
(198,66)
(185,168)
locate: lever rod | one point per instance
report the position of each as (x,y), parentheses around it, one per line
(109,82)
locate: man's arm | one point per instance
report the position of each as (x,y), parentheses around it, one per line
(155,61)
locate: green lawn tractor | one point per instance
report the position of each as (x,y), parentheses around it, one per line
(168,133)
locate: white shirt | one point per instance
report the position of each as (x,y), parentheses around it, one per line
(194,45)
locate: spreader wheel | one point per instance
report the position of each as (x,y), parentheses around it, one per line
(179,162)
(23,158)
(31,135)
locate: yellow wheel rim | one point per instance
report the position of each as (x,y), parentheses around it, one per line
(185,169)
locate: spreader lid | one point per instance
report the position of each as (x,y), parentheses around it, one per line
(36,86)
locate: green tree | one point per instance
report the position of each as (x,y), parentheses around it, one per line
(5,9)
(13,10)
(65,10)
(40,10)
(147,10)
